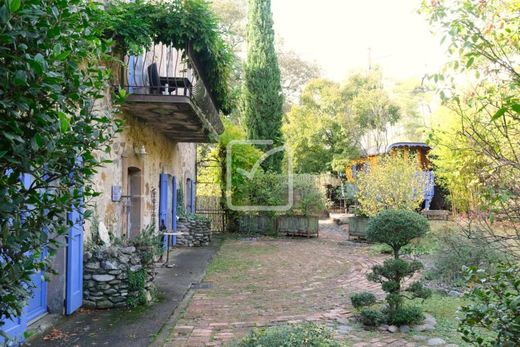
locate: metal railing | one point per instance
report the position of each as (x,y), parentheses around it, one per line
(165,70)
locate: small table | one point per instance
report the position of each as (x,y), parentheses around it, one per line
(168,236)
(174,83)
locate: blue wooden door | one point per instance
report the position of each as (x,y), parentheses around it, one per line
(14,328)
(74,283)
(37,303)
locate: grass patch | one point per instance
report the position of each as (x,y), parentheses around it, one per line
(444,309)
(238,257)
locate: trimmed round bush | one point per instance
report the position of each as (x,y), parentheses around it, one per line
(362,299)
(405,315)
(371,317)
(307,334)
(397,228)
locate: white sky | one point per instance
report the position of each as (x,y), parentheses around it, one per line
(337,34)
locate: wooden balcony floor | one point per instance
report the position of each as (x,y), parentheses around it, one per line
(175,116)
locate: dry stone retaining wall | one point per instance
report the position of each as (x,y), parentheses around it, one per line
(105,280)
(196,232)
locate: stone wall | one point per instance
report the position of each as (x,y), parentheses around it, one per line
(105,278)
(163,155)
(197,232)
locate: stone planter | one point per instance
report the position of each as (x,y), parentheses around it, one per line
(105,276)
(357,226)
(196,232)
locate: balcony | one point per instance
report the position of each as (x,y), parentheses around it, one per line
(166,90)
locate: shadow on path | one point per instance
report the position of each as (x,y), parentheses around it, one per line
(139,326)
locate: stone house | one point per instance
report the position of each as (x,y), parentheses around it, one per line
(169,109)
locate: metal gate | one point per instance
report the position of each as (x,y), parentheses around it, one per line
(209,207)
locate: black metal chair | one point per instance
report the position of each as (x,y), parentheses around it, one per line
(155,80)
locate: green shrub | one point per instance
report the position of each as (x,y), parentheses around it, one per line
(362,299)
(419,291)
(308,334)
(457,251)
(371,317)
(493,316)
(136,284)
(404,315)
(397,228)
(148,244)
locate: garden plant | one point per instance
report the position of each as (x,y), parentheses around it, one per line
(396,228)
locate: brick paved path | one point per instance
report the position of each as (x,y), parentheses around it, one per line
(258,283)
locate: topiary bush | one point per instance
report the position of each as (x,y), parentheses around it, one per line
(308,334)
(362,299)
(371,317)
(397,228)
(404,315)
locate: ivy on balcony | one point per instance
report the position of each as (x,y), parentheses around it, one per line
(135,26)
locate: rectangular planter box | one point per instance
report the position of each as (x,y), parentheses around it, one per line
(299,225)
(289,225)
(357,226)
(257,224)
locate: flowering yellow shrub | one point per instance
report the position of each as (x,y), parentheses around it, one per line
(395,182)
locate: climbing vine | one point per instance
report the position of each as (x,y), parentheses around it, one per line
(135,26)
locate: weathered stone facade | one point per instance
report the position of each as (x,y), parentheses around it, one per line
(106,276)
(196,232)
(139,155)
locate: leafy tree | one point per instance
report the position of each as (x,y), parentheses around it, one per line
(232,16)
(315,129)
(456,163)
(213,168)
(262,92)
(483,39)
(296,72)
(52,129)
(395,182)
(371,108)
(413,99)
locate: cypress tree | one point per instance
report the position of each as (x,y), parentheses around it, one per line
(262,94)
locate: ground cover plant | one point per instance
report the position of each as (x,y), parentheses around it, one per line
(309,334)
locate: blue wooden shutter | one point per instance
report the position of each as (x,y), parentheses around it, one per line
(174,208)
(163,201)
(163,204)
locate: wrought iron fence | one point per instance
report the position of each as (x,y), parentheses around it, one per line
(209,207)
